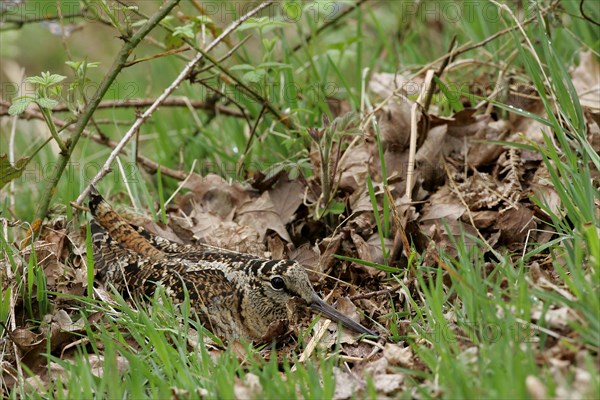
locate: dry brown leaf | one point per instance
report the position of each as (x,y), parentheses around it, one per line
(558,318)
(377,367)
(306,255)
(398,355)
(429,155)
(388,383)
(354,168)
(543,189)
(260,214)
(358,349)
(441,233)
(286,197)
(275,247)
(483,219)
(39,383)
(396,164)
(362,248)
(394,125)
(53,240)
(466,124)
(248,388)
(451,211)
(329,247)
(205,225)
(515,224)
(383,84)
(346,384)
(345,306)
(530,129)
(481,191)
(360,202)
(363,223)
(26,340)
(481,152)
(376,251)
(97,364)
(158,229)
(215,195)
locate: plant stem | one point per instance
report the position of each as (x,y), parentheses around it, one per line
(87,113)
(48,118)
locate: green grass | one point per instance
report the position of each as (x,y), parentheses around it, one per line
(146,353)
(471,330)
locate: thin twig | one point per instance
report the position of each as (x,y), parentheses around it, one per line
(242,111)
(250,139)
(183,75)
(312,344)
(18,23)
(14,295)
(531,49)
(499,80)
(226,55)
(159,55)
(239,83)
(172,102)
(398,221)
(373,294)
(439,73)
(281,117)
(585,16)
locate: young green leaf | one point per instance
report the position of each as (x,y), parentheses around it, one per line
(19,105)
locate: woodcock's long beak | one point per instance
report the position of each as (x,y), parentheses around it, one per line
(320,306)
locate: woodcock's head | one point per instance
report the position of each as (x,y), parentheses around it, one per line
(274,284)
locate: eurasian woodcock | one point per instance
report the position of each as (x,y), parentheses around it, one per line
(235,295)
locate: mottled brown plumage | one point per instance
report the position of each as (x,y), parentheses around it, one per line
(236,295)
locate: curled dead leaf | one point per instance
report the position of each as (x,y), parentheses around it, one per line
(260,214)
(398,355)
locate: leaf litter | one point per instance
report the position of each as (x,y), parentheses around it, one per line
(466,182)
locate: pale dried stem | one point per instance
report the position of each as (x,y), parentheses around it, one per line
(312,345)
(414,132)
(182,184)
(125,180)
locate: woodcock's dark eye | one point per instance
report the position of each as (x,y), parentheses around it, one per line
(277,283)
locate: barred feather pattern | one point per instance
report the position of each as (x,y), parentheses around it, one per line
(231,292)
